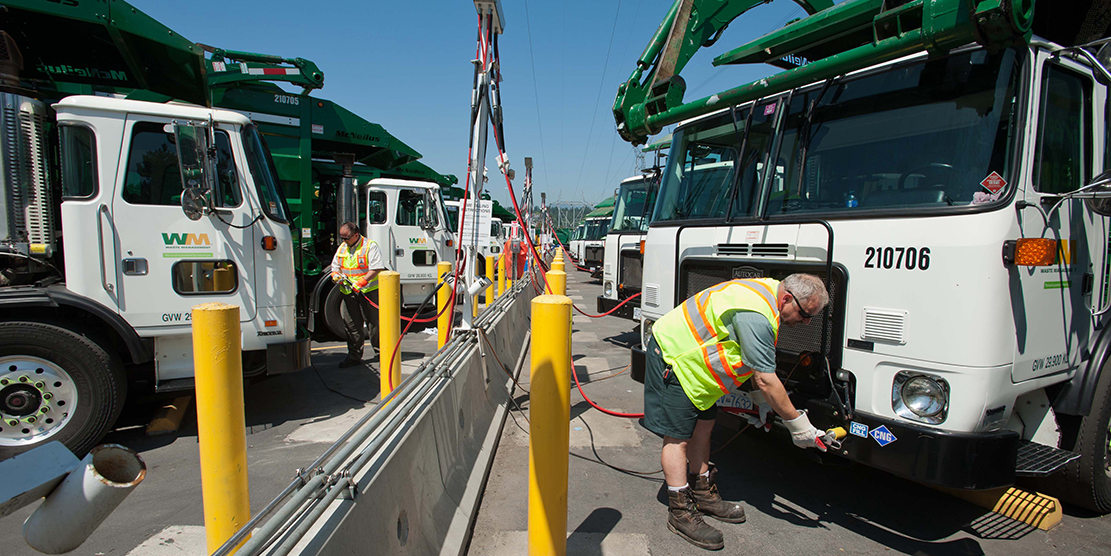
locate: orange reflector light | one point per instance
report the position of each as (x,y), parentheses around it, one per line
(1030,252)
(269,243)
(451,243)
(270,323)
(642,247)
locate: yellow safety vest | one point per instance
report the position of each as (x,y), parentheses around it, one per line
(353,265)
(696,343)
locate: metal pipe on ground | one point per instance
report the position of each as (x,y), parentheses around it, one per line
(84,499)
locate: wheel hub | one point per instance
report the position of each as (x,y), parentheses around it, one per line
(37,398)
(20,400)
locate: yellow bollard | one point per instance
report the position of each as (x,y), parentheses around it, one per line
(474,300)
(443,299)
(501,274)
(221,425)
(558,265)
(389,330)
(490,274)
(550,414)
(557,282)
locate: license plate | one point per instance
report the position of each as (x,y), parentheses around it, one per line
(737,400)
(636,313)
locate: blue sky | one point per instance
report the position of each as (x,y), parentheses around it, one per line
(406,65)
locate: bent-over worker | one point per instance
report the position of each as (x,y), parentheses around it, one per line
(702,350)
(355,270)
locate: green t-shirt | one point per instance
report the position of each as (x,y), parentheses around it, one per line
(754,334)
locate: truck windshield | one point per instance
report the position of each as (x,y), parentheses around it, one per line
(264,175)
(596,228)
(923,135)
(634,205)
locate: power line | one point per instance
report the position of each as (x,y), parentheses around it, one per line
(536,92)
(601,83)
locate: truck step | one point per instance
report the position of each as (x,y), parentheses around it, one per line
(1039,460)
(174,385)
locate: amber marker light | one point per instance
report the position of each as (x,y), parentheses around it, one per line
(269,243)
(1030,252)
(642,247)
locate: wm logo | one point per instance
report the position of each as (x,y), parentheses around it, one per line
(418,240)
(1065,252)
(185,239)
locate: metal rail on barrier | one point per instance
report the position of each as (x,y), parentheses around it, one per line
(284,522)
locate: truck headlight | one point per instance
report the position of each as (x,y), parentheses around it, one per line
(607,289)
(920,397)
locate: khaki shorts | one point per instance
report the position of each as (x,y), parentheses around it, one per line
(667,409)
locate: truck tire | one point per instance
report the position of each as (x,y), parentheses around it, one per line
(55,384)
(334,320)
(1086,482)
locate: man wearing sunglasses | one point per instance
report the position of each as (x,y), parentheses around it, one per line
(355,271)
(702,350)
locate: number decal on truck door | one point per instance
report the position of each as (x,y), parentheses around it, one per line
(899,258)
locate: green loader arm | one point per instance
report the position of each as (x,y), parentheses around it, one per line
(668,53)
(250,67)
(832,41)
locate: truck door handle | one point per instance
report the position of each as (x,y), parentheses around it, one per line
(135,267)
(100,244)
(399,252)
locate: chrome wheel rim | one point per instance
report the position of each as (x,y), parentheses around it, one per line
(37,399)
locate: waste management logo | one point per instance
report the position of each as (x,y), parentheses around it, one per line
(186,245)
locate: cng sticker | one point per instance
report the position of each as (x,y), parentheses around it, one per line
(883,436)
(858,429)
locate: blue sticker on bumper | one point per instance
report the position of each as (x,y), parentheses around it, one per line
(858,429)
(883,436)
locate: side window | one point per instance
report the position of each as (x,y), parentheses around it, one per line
(79,176)
(410,208)
(199,277)
(1064,149)
(153,177)
(376,207)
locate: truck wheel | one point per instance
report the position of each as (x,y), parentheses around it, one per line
(55,384)
(334,320)
(1086,482)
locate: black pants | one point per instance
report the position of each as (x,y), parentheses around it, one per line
(356,313)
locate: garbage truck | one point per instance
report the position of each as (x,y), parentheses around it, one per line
(118,215)
(942,166)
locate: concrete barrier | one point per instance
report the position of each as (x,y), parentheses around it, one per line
(419,492)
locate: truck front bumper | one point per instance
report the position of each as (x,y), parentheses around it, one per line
(969,461)
(626,311)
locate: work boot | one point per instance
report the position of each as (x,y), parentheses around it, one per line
(684,520)
(704,491)
(350,362)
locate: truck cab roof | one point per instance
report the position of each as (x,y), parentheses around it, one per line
(167,110)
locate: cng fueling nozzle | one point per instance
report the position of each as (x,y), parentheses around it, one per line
(832,437)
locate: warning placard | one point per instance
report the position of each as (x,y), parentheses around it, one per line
(994,182)
(484,214)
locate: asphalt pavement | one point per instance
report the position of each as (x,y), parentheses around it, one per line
(617,505)
(291,419)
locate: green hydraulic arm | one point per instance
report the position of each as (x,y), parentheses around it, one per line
(250,67)
(832,41)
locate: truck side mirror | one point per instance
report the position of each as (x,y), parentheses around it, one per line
(427,219)
(197,163)
(1100,203)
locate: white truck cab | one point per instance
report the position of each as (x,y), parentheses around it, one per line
(163,207)
(624,256)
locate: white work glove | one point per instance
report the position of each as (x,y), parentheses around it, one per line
(762,419)
(803,434)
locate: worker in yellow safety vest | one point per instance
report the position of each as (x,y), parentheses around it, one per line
(702,350)
(355,271)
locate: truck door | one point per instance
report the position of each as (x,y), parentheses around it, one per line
(417,223)
(1056,299)
(167,262)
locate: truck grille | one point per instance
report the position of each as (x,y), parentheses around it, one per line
(696,275)
(630,274)
(594,254)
